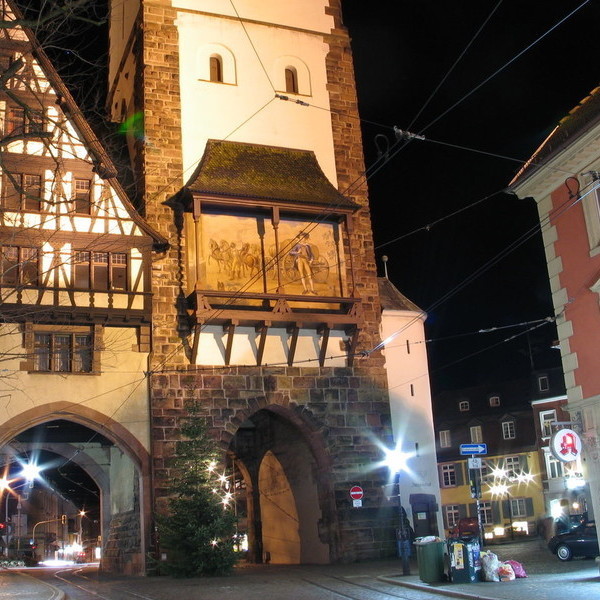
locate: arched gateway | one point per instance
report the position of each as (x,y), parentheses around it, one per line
(92,471)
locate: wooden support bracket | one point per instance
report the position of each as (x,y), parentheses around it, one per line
(229,329)
(323,331)
(262,330)
(293,331)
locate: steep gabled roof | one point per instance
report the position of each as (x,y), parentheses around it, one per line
(103,164)
(583,117)
(392,299)
(253,171)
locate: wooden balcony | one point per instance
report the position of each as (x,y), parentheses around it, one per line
(282,311)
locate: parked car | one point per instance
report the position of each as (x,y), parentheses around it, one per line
(580,541)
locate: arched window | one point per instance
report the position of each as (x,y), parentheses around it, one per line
(216,68)
(291,80)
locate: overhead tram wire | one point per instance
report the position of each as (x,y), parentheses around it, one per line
(449,72)
(503,67)
(554,215)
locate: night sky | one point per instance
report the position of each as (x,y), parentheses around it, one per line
(402,51)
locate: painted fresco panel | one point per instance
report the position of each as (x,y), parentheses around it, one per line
(241,255)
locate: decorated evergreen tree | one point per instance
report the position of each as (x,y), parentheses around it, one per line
(198,531)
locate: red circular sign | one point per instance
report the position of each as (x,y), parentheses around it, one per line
(356,492)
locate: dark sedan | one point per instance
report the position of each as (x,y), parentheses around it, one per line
(580,541)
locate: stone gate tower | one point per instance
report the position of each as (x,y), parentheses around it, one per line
(243,131)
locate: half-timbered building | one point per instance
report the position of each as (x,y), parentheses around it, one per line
(75,304)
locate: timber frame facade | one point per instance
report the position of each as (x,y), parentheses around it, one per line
(75,294)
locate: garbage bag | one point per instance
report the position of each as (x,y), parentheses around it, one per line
(489,566)
(505,572)
(517,568)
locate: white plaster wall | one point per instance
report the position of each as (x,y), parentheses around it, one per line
(119,393)
(301,14)
(247,111)
(412,415)
(212,343)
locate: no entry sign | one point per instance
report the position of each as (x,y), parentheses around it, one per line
(356,492)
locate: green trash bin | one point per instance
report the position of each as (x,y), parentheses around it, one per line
(430,558)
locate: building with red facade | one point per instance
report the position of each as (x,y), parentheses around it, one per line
(563,178)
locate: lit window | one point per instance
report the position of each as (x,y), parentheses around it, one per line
(291,80)
(508,430)
(452,515)
(494,400)
(20,266)
(554,467)
(100,270)
(448,476)
(518,507)
(547,420)
(464,406)
(476,435)
(512,466)
(63,352)
(216,68)
(485,510)
(445,438)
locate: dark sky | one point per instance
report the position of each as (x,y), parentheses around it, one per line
(402,51)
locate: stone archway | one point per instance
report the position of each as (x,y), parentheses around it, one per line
(119,466)
(285,472)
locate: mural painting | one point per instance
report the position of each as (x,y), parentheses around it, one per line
(241,255)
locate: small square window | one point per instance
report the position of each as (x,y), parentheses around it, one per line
(464,406)
(494,400)
(543,383)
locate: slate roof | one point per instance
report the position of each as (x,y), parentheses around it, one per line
(240,170)
(580,119)
(392,299)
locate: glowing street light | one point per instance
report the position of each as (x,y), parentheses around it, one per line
(397,461)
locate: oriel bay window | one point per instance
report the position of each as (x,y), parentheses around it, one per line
(20,265)
(100,270)
(60,352)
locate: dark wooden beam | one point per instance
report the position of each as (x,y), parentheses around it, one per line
(351,348)
(262,331)
(294,330)
(229,329)
(323,331)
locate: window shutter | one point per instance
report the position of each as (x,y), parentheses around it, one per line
(496,516)
(473,509)
(462,511)
(524,463)
(458,468)
(445,518)
(506,509)
(529,507)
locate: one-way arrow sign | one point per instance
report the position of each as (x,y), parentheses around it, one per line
(473,449)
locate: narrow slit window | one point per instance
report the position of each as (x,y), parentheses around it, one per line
(216,69)
(291,80)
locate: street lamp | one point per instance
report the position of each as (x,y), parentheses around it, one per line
(396,461)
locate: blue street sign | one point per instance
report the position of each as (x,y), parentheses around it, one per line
(473,449)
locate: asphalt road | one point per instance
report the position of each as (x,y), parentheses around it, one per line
(548,579)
